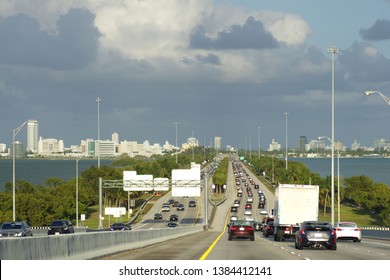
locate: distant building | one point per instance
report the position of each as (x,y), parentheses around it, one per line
(302,143)
(274,146)
(20,151)
(3,148)
(191,143)
(50,146)
(218,142)
(32,136)
(355,146)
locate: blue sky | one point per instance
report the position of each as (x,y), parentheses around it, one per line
(219,68)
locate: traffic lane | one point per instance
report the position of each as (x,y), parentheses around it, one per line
(346,250)
(245,249)
(187,217)
(190,247)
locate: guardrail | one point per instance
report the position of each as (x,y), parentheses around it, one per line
(86,245)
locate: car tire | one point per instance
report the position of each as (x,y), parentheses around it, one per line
(333,248)
(357,240)
(252,239)
(230,238)
(298,246)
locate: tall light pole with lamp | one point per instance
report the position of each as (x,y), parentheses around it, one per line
(258,130)
(338,175)
(15,131)
(333,51)
(77,191)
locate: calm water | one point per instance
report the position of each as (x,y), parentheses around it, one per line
(377,169)
(37,171)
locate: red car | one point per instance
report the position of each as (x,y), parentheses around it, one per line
(241,229)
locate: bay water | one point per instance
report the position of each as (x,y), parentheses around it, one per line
(36,171)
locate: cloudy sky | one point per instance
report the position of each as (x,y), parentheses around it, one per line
(217,67)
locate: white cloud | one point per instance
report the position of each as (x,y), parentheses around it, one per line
(287,28)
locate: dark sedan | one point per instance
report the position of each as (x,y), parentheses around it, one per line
(315,234)
(120,226)
(241,229)
(172,225)
(16,228)
(59,227)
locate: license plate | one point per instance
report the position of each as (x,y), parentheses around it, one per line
(318,234)
(241,228)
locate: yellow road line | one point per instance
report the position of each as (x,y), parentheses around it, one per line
(208,251)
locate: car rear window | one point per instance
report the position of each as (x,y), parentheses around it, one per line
(321,227)
(347,224)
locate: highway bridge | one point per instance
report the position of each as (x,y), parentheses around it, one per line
(195,238)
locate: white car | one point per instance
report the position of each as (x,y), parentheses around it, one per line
(233,218)
(348,231)
(249,219)
(263,212)
(248,213)
(249,200)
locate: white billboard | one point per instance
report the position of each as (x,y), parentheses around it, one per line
(134,182)
(186,182)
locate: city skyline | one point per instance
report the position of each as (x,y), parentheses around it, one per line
(216,67)
(216,142)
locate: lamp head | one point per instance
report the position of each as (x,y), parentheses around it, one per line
(369,92)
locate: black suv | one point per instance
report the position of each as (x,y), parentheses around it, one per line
(59,227)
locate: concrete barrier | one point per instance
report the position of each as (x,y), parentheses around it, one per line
(86,245)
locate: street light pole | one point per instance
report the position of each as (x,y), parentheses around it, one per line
(333,51)
(286,113)
(338,176)
(258,130)
(98,100)
(77,191)
(15,131)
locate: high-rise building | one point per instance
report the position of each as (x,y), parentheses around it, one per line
(302,143)
(218,142)
(32,136)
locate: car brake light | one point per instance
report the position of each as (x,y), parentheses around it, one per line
(333,233)
(356,229)
(338,229)
(250,228)
(302,232)
(233,227)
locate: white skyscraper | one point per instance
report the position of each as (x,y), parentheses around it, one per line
(217,142)
(32,136)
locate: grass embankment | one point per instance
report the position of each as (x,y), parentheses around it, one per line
(93,221)
(362,217)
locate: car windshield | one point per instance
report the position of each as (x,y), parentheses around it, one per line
(12,226)
(59,223)
(118,225)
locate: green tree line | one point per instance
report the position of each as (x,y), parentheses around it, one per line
(56,198)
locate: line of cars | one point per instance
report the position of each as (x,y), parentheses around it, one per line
(319,234)
(173,218)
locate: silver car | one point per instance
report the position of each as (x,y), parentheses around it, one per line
(17,228)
